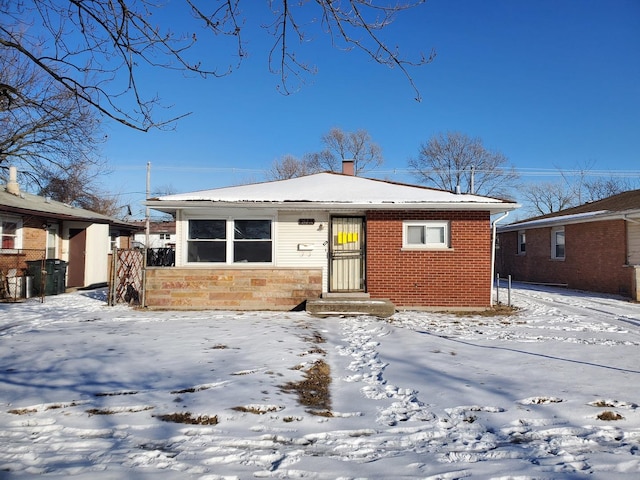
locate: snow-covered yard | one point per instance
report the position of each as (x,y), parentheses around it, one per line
(90,391)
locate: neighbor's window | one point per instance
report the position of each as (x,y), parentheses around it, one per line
(425,234)
(10,233)
(230,241)
(165,236)
(522,242)
(557,243)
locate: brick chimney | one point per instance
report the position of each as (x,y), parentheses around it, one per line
(12,184)
(347,167)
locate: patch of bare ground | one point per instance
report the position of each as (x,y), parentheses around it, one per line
(608,415)
(190,390)
(257,409)
(185,417)
(23,411)
(499,310)
(100,411)
(313,390)
(115,394)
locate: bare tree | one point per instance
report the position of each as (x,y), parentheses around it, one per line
(289,167)
(547,197)
(451,160)
(576,187)
(340,145)
(77,186)
(95,50)
(606,187)
(44,128)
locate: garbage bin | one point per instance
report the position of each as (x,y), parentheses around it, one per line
(48,278)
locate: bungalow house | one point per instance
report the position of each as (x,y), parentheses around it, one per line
(274,245)
(594,247)
(38,229)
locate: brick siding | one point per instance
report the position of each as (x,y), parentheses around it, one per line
(459,277)
(595,257)
(231,289)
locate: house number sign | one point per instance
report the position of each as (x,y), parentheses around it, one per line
(306,221)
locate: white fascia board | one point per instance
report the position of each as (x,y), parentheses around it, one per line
(587,217)
(492,207)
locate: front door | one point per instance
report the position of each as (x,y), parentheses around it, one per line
(347,268)
(77,247)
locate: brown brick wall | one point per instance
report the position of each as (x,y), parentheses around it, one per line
(34,240)
(231,289)
(460,277)
(595,257)
(33,235)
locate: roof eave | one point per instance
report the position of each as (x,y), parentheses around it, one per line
(173,205)
(633,215)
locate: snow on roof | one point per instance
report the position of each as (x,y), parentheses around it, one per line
(28,203)
(334,188)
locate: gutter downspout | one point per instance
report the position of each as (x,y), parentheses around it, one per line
(493,252)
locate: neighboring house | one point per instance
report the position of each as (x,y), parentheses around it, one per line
(34,228)
(594,247)
(161,234)
(274,245)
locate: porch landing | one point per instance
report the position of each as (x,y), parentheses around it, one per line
(349,306)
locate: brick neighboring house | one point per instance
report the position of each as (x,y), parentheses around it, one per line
(35,228)
(274,245)
(593,247)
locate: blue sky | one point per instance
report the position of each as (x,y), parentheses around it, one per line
(549,83)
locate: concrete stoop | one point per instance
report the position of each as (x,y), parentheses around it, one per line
(346,306)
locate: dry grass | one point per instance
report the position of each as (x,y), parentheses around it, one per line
(185,417)
(257,409)
(115,394)
(608,415)
(99,411)
(313,389)
(23,411)
(189,390)
(499,310)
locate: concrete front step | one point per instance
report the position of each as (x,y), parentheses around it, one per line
(350,306)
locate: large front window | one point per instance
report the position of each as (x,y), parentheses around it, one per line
(207,241)
(252,241)
(230,241)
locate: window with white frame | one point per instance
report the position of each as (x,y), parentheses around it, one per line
(425,234)
(114,240)
(10,233)
(230,241)
(52,241)
(557,243)
(522,242)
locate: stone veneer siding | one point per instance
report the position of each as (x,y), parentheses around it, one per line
(458,278)
(231,288)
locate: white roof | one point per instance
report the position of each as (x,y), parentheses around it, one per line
(335,189)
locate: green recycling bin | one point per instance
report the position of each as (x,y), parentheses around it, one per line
(49,277)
